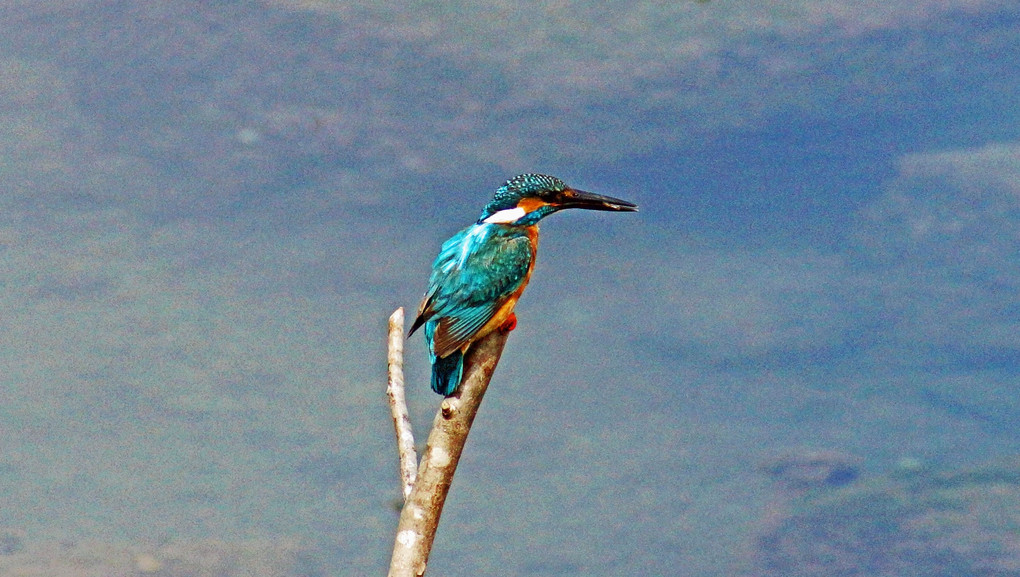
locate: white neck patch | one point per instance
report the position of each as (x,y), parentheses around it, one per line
(506,216)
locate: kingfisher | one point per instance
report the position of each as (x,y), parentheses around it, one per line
(482,270)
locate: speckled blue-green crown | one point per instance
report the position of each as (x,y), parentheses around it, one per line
(518,187)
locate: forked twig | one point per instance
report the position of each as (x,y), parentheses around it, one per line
(419,518)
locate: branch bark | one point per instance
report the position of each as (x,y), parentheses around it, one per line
(398,405)
(419,518)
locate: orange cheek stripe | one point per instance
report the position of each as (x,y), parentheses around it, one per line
(531,204)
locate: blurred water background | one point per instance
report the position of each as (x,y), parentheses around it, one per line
(209,209)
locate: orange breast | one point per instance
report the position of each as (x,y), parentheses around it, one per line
(503,312)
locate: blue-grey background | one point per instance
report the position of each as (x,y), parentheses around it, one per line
(208,210)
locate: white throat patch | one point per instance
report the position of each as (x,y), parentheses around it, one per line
(506,216)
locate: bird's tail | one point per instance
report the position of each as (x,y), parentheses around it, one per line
(447,372)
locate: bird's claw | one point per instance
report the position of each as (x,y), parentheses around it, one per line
(509,324)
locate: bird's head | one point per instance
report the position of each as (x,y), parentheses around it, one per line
(527,198)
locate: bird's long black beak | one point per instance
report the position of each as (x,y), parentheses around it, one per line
(572,198)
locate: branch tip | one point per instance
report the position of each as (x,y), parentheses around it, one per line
(398,404)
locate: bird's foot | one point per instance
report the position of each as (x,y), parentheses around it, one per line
(509,324)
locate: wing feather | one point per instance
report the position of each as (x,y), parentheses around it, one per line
(475,273)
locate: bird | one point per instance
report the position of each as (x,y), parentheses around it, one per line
(482,270)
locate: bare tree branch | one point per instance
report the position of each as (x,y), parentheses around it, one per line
(398,406)
(419,518)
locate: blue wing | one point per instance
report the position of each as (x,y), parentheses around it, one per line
(476,272)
